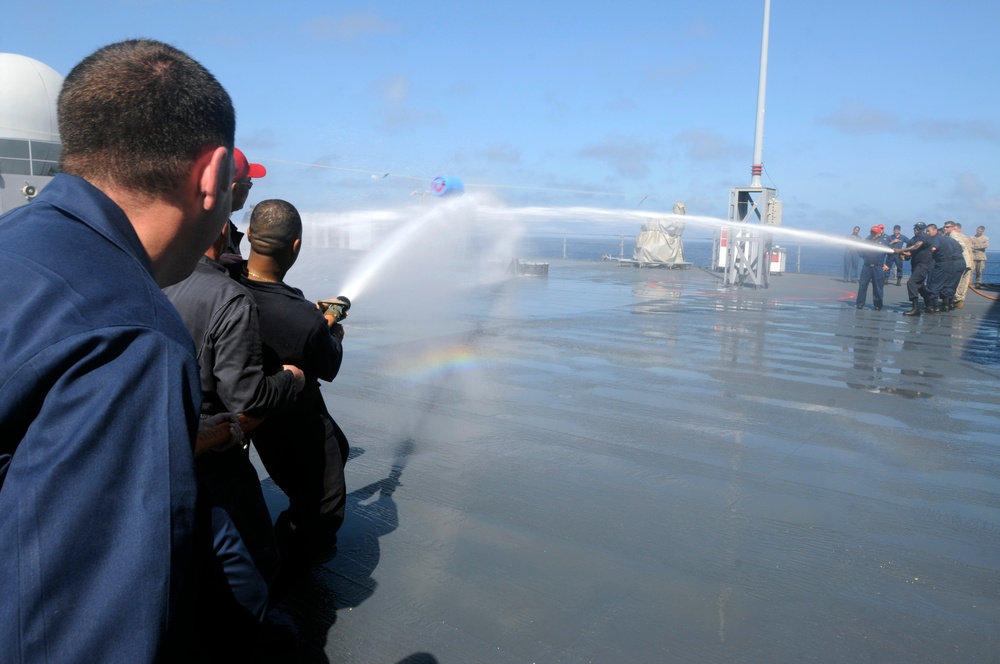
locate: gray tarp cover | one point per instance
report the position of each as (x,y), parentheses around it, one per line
(659,241)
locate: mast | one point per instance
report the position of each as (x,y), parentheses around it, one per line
(745,250)
(758,138)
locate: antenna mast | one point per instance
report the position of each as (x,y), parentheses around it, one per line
(745,251)
(758,137)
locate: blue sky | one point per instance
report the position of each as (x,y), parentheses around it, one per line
(881,112)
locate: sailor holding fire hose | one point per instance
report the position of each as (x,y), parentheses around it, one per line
(303,449)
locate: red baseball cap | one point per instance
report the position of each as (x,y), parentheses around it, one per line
(244,168)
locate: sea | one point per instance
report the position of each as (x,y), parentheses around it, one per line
(799,258)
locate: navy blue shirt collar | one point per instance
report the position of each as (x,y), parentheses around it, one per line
(81,200)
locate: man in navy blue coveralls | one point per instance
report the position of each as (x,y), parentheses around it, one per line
(873,269)
(99,389)
(896,241)
(919,250)
(946,270)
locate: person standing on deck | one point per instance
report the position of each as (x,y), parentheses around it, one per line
(102,532)
(852,262)
(874,265)
(896,241)
(246,173)
(919,252)
(954,230)
(945,272)
(979,245)
(222,318)
(303,449)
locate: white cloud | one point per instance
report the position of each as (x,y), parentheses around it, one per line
(394,90)
(501,154)
(675,72)
(349,27)
(945,129)
(968,185)
(393,94)
(700,28)
(989,206)
(627,156)
(854,117)
(702,145)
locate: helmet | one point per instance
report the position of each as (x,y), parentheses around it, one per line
(919,226)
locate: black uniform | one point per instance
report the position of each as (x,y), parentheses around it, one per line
(921,261)
(222,318)
(302,449)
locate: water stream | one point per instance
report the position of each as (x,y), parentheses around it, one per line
(462,216)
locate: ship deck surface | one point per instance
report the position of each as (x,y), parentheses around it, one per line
(611,465)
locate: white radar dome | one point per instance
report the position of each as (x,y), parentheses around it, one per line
(29,90)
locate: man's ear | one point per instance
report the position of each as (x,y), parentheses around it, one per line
(215,176)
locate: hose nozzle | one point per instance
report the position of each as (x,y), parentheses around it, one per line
(337,307)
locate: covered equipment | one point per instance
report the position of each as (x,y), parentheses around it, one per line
(659,241)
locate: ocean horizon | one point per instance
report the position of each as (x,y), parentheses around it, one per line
(799,258)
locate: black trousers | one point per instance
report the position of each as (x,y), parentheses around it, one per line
(307,464)
(915,285)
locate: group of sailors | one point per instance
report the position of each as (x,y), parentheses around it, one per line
(262,349)
(943,263)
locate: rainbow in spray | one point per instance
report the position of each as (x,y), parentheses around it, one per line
(436,363)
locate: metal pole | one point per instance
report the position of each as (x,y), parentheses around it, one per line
(758,138)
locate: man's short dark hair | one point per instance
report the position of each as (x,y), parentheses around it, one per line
(275,225)
(138,113)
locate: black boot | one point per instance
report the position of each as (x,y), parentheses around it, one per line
(933,306)
(915,311)
(899,280)
(949,303)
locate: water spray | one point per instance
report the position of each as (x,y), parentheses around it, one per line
(375,262)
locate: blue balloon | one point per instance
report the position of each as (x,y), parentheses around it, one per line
(447,186)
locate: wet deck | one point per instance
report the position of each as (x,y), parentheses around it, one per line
(621,465)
